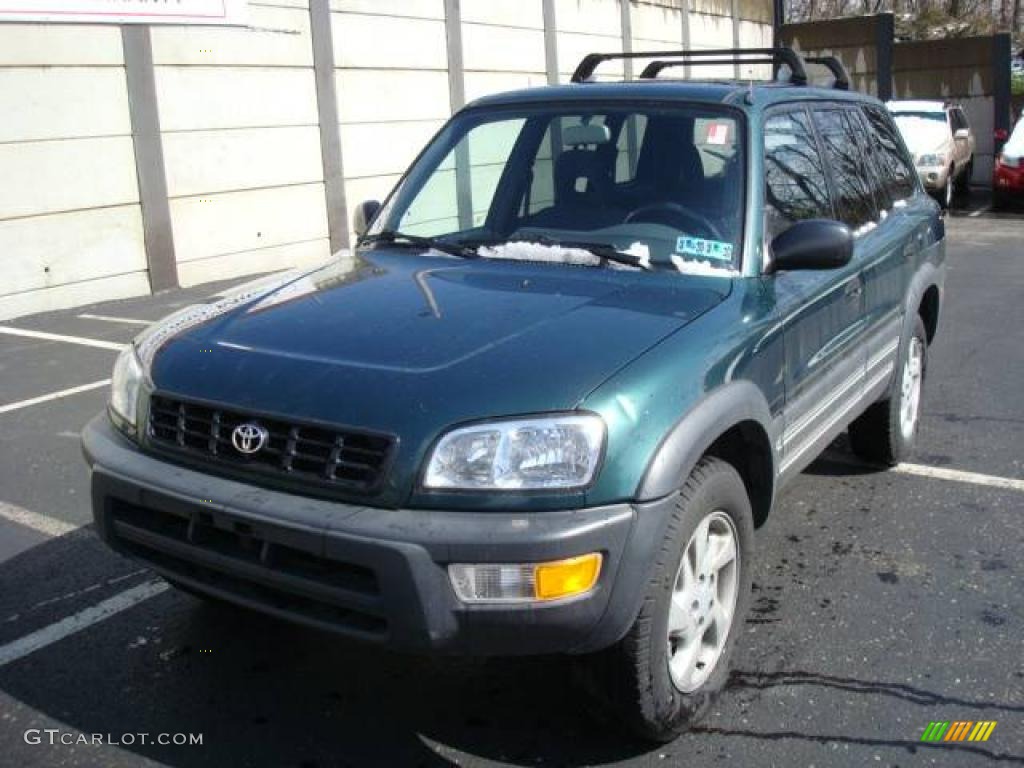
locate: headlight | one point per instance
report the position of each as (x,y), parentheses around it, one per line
(522,454)
(930,161)
(125,384)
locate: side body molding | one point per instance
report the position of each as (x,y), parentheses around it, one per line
(731,404)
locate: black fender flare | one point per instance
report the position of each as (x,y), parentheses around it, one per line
(682,447)
(928,275)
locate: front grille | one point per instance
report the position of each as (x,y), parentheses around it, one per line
(231,557)
(340,458)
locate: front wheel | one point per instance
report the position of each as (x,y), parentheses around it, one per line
(946,194)
(886,431)
(963,182)
(663,675)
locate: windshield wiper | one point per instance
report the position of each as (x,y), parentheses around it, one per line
(391,236)
(601,250)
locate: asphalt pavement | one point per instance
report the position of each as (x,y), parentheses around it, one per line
(884,600)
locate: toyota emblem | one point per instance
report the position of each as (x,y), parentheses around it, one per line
(249,438)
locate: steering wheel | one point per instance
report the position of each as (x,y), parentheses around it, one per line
(671,214)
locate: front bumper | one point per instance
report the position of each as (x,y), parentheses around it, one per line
(1006,179)
(933,178)
(379,575)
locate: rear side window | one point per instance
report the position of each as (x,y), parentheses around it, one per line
(959,121)
(795,185)
(855,204)
(897,172)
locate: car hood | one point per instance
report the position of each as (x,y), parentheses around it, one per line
(411,343)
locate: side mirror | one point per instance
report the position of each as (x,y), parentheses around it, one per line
(363,215)
(962,133)
(813,244)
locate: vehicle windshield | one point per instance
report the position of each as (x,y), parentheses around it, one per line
(663,185)
(922,130)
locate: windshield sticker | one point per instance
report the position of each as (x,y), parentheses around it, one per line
(718,133)
(713,250)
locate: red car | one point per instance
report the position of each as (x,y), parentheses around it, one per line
(1008,173)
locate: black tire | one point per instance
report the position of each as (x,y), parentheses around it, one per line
(963,181)
(877,435)
(632,678)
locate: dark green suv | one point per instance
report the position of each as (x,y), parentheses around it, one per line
(544,403)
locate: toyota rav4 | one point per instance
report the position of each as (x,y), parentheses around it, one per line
(546,400)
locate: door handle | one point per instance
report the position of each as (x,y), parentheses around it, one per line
(853,289)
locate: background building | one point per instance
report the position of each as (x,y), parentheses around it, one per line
(136,158)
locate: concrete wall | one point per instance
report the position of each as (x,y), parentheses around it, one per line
(70,220)
(392,83)
(238,178)
(862,43)
(240,132)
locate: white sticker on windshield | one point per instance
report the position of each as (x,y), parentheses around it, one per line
(715,250)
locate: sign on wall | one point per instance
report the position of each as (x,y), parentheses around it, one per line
(126,11)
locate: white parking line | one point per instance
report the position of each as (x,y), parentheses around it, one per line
(975,214)
(112,319)
(52,396)
(47,526)
(959,476)
(99,343)
(84,619)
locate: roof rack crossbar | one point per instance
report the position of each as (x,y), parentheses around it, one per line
(655,68)
(780,55)
(835,66)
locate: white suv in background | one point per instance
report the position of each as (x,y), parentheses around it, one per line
(939,137)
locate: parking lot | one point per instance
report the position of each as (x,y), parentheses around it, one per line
(883,599)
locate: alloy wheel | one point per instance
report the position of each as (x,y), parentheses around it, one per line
(910,394)
(703,601)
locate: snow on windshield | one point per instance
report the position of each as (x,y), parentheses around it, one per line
(558,254)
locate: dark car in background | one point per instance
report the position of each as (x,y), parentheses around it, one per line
(543,405)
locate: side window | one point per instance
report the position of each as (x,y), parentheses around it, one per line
(897,171)
(795,186)
(855,204)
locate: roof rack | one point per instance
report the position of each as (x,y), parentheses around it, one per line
(835,66)
(776,56)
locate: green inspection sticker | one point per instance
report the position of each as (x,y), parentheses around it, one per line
(712,250)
